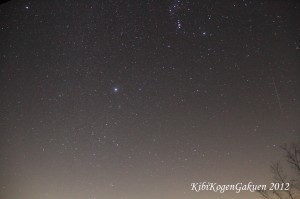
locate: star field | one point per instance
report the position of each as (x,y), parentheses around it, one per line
(138,99)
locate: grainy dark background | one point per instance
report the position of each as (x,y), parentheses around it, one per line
(138,99)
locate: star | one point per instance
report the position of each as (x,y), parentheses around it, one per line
(116,89)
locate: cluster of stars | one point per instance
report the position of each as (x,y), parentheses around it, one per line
(103,95)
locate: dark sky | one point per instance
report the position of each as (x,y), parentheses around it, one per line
(138,99)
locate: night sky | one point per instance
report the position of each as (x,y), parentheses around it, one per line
(119,99)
